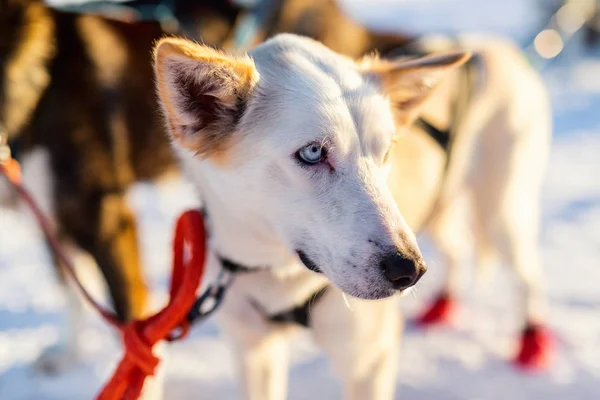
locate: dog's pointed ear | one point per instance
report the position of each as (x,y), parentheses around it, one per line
(408,83)
(203,93)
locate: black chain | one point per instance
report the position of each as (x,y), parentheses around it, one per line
(211,298)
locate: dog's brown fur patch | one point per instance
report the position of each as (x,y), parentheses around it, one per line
(118,240)
(25,75)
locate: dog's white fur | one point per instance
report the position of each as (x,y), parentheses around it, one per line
(263,205)
(498,163)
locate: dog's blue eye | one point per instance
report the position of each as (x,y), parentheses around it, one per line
(312,154)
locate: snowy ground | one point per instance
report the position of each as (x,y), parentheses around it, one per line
(466,361)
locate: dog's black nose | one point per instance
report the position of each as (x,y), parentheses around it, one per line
(404,272)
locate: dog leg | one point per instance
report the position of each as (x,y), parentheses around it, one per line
(106,231)
(507,201)
(514,231)
(261,348)
(486,251)
(116,251)
(518,238)
(363,342)
(38,179)
(450,234)
(265,365)
(63,355)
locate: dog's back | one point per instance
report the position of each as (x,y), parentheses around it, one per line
(508,103)
(79,85)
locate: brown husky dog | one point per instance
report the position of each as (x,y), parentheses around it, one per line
(78,104)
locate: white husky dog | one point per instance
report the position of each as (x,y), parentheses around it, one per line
(302,161)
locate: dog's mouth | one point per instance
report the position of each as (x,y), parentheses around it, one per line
(377,291)
(308,263)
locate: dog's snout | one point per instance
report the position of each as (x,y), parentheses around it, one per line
(403,271)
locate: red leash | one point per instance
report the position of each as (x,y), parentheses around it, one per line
(139,337)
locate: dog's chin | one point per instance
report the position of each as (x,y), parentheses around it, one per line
(374,294)
(378,293)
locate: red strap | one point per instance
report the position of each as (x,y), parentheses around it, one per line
(12,170)
(139,336)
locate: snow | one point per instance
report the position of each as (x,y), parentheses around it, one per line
(468,360)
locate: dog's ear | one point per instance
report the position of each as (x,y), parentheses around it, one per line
(408,83)
(203,93)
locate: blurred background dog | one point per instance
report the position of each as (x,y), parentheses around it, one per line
(78,106)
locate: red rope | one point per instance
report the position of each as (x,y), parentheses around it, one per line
(139,337)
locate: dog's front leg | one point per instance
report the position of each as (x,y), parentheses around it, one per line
(265,365)
(362,339)
(261,349)
(66,353)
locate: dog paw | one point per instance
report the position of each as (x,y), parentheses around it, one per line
(536,348)
(440,311)
(56,359)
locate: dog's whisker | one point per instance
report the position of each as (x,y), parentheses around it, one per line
(314,300)
(346,302)
(413,293)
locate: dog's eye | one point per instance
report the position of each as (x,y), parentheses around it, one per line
(311,154)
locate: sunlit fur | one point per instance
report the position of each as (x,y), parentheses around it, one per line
(342,215)
(264,204)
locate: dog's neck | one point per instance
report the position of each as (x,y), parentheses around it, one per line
(245,239)
(236,233)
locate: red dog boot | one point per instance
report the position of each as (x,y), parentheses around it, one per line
(536,348)
(440,311)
